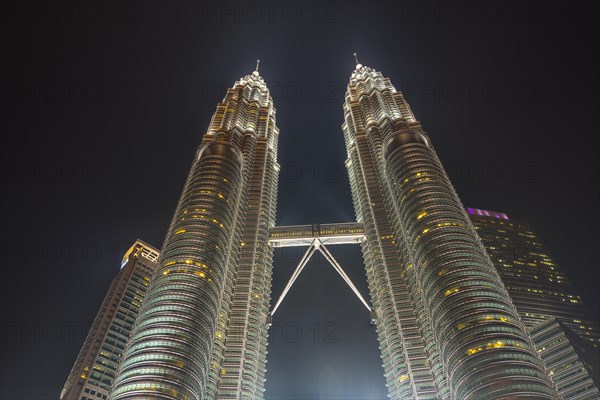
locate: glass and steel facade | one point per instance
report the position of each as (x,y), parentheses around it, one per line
(445,322)
(564,331)
(571,361)
(202,329)
(537,285)
(95,367)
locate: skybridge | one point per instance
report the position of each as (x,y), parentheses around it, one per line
(316,237)
(303,235)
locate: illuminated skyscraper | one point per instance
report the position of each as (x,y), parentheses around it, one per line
(202,329)
(564,331)
(96,365)
(538,286)
(446,325)
(571,361)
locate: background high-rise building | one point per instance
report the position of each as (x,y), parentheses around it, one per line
(563,329)
(95,367)
(202,329)
(538,286)
(445,322)
(571,362)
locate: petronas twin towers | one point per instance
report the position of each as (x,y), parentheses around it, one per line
(446,325)
(202,332)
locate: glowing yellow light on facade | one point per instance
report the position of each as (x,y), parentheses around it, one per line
(425,230)
(403,378)
(422,214)
(180,231)
(470,352)
(83,376)
(220,195)
(493,345)
(451,291)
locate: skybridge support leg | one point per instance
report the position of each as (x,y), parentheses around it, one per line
(325,251)
(315,245)
(309,252)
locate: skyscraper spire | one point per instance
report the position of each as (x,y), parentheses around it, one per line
(257,64)
(358,65)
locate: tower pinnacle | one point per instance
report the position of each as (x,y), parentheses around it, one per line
(358,65)
(256,69)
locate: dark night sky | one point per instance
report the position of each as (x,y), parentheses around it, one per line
(104,105)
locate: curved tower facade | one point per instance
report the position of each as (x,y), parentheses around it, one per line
(446,325)
(201,331)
